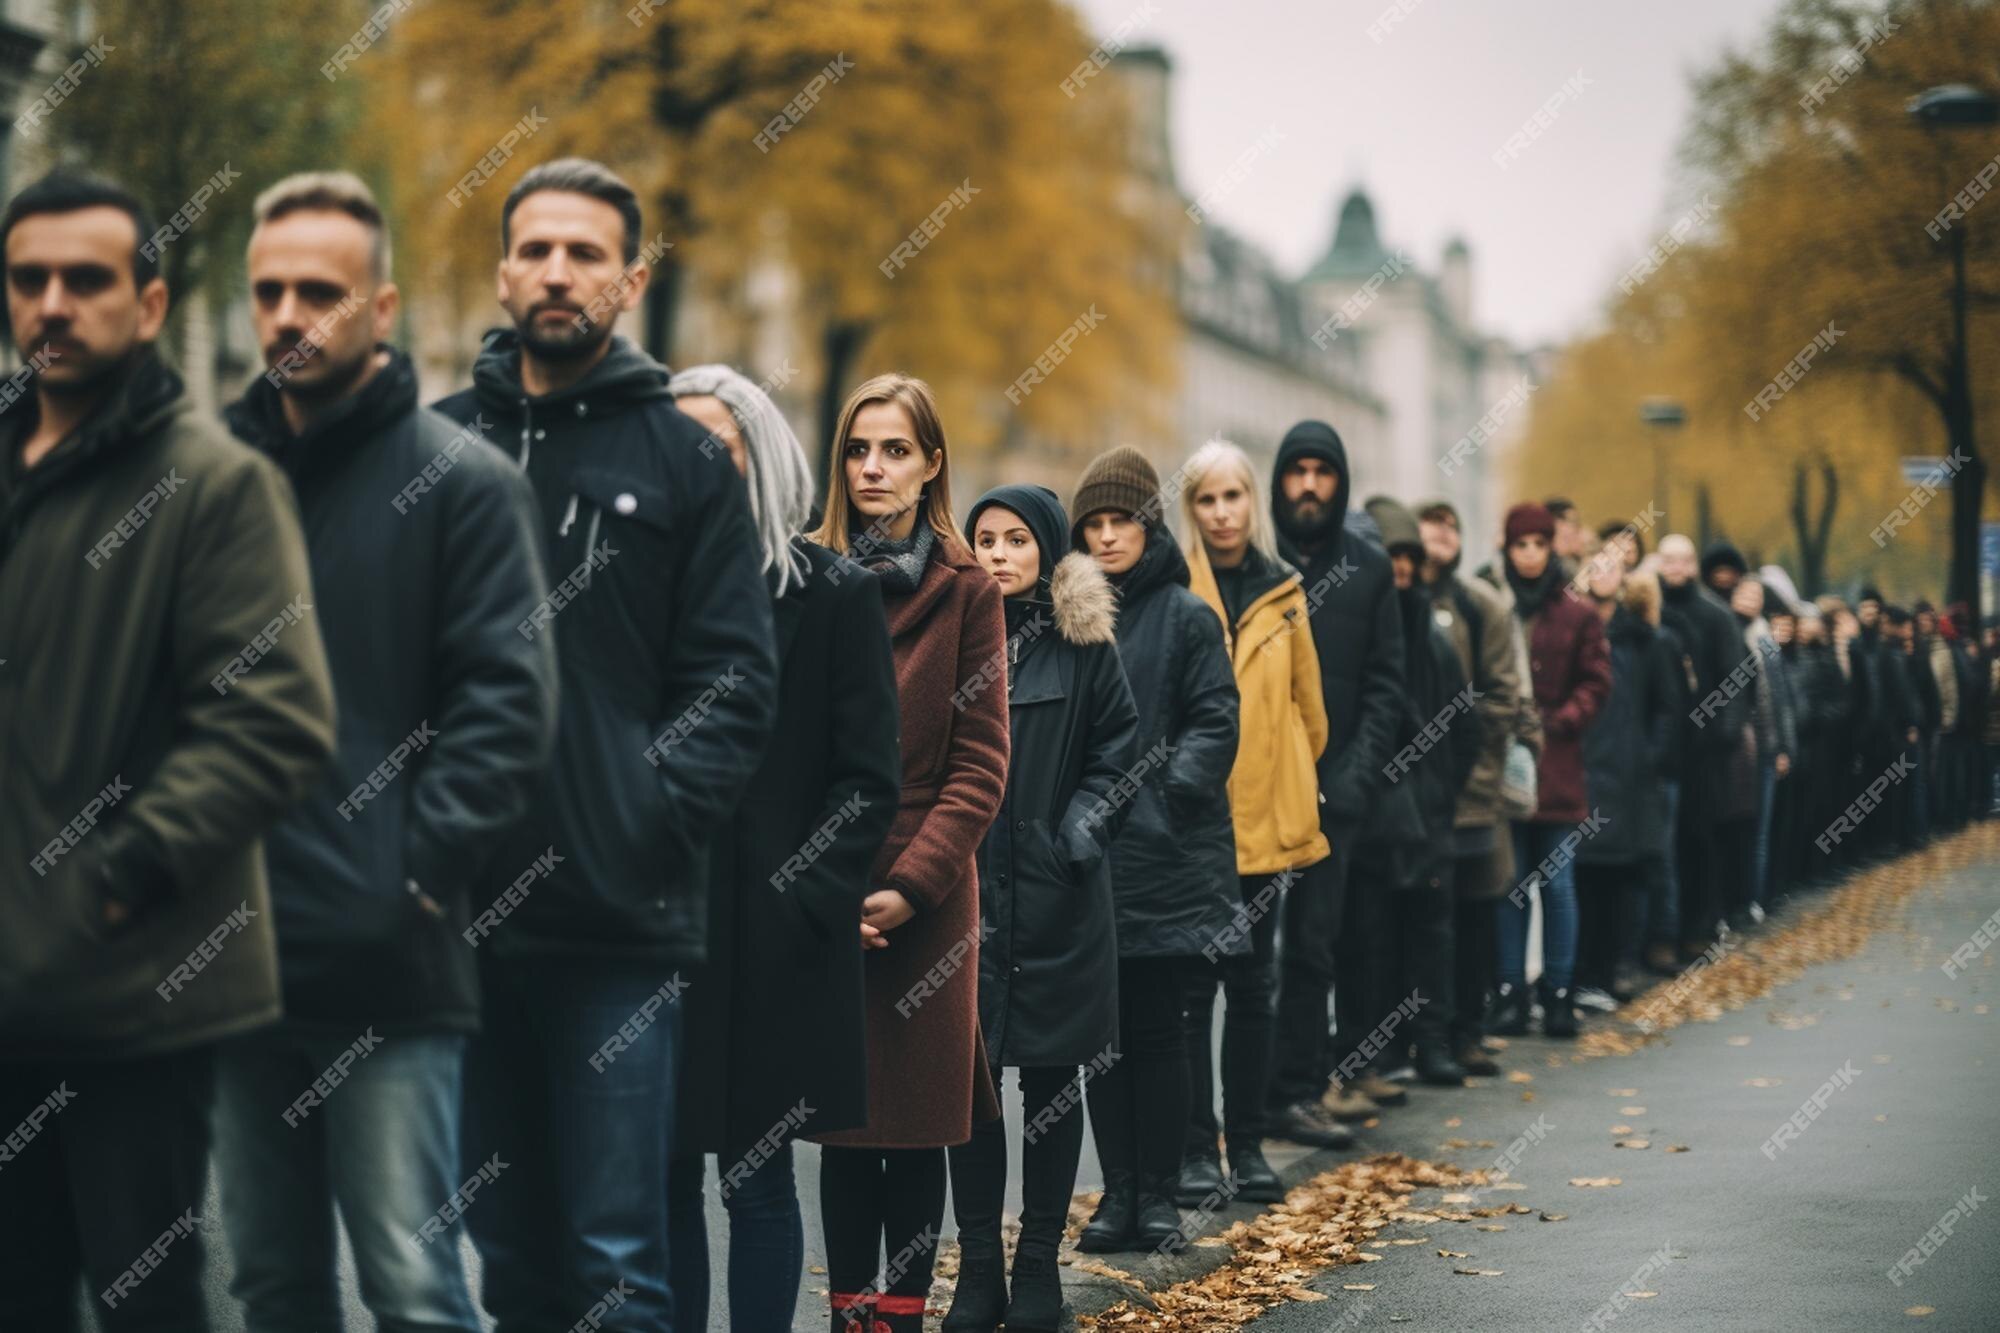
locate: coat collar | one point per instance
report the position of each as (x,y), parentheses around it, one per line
(949,560)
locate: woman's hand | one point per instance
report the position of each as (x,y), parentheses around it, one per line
(885,909)
(872,938)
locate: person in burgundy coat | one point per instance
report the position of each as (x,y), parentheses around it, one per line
(882,1186)
(1571,668)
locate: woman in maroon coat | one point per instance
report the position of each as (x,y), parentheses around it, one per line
(882,1187)
(1571,669)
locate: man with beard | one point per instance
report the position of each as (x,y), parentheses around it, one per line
(421,538)
(144,557)
(1357,630)
(662,627)
(1478,620)
(1713,644)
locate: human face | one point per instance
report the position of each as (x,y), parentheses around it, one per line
(1870,613)
(1529,555)
(713,415)
(71,295)
(315,304)
(1569,537)
(1403,564)
(1222,512)
(886,468)
(1845,625)
(563,279)
(1926,623)
(1626,547)
(1723,578)
(1114,539)
(1677,564)
(1605,573)
(1308,486)
(1747,598)
(1783,629)
(1441,542)
(1002,543)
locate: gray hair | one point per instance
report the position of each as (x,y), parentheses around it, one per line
(780,479)
(330,192)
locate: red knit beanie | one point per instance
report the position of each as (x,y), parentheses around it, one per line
(1528,518)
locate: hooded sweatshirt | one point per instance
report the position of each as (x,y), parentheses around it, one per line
(1357,632)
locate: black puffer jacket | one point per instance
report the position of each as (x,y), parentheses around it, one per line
(1357,632)
(1173,865)
(1713,642)
(421,537)
(1048,953)
(1626,749)
(669,681)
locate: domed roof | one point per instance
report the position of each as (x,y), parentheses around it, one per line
(1356,248)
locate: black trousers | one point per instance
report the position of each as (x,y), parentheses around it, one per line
(105,1189)
(1052,1145)
(1362,956)
(1607,904)
(1308,940)
(1139,1106)
(1421,972)
(881,1206)
(1250,988)
(1473,948)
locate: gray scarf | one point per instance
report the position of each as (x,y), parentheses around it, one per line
(899,564)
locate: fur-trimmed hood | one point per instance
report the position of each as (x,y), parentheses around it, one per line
(1086,608)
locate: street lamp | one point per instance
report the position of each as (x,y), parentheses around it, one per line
(1664,414)
(1960,106)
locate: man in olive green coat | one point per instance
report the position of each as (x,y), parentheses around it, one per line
(164,696)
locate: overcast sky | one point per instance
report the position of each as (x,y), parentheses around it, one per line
(1417,117)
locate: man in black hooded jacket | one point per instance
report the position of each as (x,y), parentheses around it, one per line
(662,626)
(1357,632)
(421,539)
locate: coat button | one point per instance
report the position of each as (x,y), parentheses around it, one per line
(541,434)
(660,903)
(626,502)
(1020,824)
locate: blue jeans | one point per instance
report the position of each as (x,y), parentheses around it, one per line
(571,1085)
(767,1242)
(1532,843)
(368,1125)
(1767,805)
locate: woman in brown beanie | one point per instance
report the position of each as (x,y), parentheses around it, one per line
(882,1187)
(1173,864)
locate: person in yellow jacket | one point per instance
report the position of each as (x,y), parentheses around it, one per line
(1273,799)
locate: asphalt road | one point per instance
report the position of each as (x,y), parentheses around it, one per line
(1728,1237)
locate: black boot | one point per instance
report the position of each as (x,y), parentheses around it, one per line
(1201,1176)
(1473,1059)
(1111,1227)
(1036,1305)
(981,1294)
(1253,1177)
(1435,1066)
(1159,1222)
(1558,1014)
(1510,1011)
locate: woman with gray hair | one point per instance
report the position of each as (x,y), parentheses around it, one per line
(774,1029)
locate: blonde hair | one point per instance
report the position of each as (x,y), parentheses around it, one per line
(1220,454)
(1642,595)
(934,504)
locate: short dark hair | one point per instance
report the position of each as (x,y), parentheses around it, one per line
(1615,528)
(67,191)
(1558,507)
(576,175)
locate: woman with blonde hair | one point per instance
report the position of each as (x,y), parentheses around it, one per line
(882,1186)
(1234,567)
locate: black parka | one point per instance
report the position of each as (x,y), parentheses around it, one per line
(775,1014)
(1173,865)
(1626,749)
(1048,953)
(663,641)
(422,542)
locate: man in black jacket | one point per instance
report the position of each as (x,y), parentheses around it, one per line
(421,539)
(1357,632)
(662,626)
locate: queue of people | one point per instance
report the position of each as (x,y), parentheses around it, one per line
(469,820)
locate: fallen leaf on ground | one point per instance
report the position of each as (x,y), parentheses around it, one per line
(1456,1198)
(1555,1217)
(1405,1240)
(1508,1185)
(1919,1311)
(1621,1129)
(1762,1082)
(1642,1295)
(1623,1092)
(1527,1095)
(1739,1041)
(1631,1110)
(1520,1076)
(1489,1226)
(1453,1254)
(1594,1182)
(1304,1294)
(1633,1143)
(1357,1286)
(1678,1147)
(1479,1272)
(1366,1257)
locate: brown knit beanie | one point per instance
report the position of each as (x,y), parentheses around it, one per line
(1123,479)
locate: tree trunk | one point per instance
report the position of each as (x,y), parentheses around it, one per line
(1968,488)
(840,347)
(1814,533)
(661,309)
(1704,518)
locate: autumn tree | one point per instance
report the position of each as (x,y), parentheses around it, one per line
(810,138)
